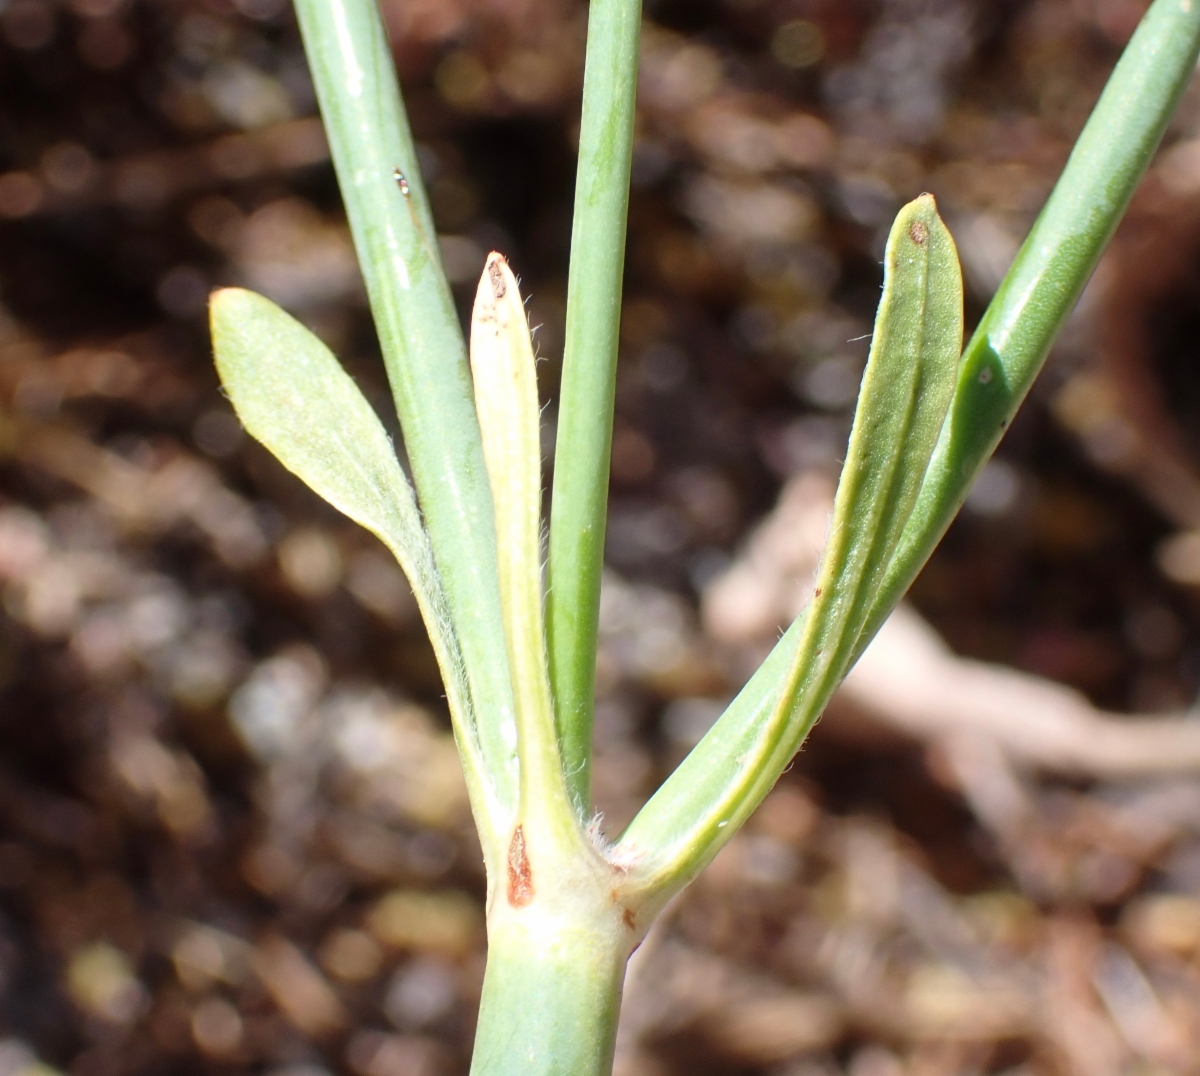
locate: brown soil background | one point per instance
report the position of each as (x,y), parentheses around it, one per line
(233,837)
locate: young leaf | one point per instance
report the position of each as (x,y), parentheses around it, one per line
(905,393)
(292,395)
(906,390)
(506,401)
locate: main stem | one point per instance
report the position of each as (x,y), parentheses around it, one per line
(561,927)
(551,997)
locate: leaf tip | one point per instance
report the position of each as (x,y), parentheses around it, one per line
(495,283)
(227,305)
(221,298)
(497,271)
(921,219)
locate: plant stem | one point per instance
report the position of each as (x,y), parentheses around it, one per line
(997,369)
(1054,263)
(421,340)
(551,992)
(580,492)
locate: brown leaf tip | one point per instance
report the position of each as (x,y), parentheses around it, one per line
(520,874)
(496,277)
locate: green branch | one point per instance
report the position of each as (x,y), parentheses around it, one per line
(422,343)
(1056,260)
(996,371)
(580,493)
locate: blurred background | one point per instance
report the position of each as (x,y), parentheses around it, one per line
(233,833)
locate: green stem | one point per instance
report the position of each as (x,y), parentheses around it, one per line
(580,492)
(997,369)
(421,340)
(558,942)
(1037,295)
(550,1004)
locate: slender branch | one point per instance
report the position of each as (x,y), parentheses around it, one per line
(580,493)
(997,369)
(1054,263)
(422,343)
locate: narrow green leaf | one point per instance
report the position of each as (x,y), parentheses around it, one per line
(585,414)
(906,389)
(506,400)
(292,395)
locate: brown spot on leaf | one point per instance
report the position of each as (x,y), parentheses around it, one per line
(520,875)
(627,917)
(496,276)
(918,233)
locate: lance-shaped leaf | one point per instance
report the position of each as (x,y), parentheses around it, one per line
(506,400)
(906,391)
(292,394)
(905,394)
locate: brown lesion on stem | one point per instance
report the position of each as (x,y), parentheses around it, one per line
(628,917)
(520,874)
